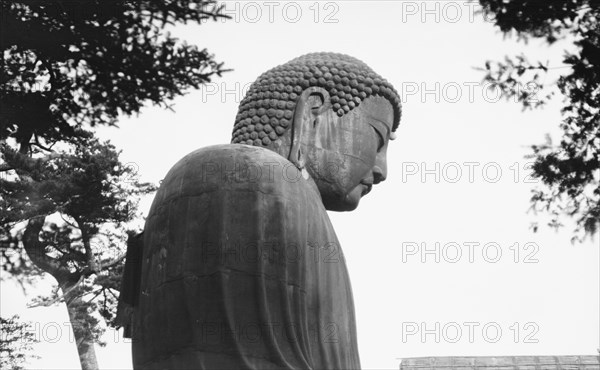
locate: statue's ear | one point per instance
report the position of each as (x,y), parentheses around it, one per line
(313,102)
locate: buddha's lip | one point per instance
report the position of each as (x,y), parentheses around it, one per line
(368,182)
(367,189)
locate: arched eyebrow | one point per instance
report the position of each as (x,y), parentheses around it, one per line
(381,139)
(381,127)
(382,130)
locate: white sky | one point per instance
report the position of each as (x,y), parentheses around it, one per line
(555,301)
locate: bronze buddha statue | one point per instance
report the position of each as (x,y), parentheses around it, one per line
(239,266)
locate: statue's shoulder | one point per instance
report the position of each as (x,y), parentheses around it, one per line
(235,167)
(229,153)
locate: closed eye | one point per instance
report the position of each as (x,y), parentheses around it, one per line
(382,130)
(380,139)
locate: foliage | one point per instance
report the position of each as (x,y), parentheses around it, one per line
(66,199)
(15,343)
(70,63)
(570,171)
(92,196)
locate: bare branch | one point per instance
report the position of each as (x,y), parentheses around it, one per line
(5,167)
(39,145)
(68,222)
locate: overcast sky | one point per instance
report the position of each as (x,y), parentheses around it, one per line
(457,185)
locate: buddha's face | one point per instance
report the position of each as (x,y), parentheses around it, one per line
(346,155)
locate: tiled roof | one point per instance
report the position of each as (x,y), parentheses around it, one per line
(503,363)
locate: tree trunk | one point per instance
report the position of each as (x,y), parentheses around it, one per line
(68,282)
(84,339)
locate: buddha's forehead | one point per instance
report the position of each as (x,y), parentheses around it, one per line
(376,108)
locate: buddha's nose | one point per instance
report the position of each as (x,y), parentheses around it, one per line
(379,174)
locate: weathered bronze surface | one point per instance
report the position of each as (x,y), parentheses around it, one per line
(240,265)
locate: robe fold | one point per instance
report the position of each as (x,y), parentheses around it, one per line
(241,269)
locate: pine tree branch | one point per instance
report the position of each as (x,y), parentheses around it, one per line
(91,260)
(36,253)
(60,297)
(105,266)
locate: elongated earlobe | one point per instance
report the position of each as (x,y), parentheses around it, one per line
(311,104)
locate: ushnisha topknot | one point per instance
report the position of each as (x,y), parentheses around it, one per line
(266,111)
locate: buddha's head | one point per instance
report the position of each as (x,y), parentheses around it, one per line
(331,116)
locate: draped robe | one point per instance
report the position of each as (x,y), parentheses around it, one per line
(241,270)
